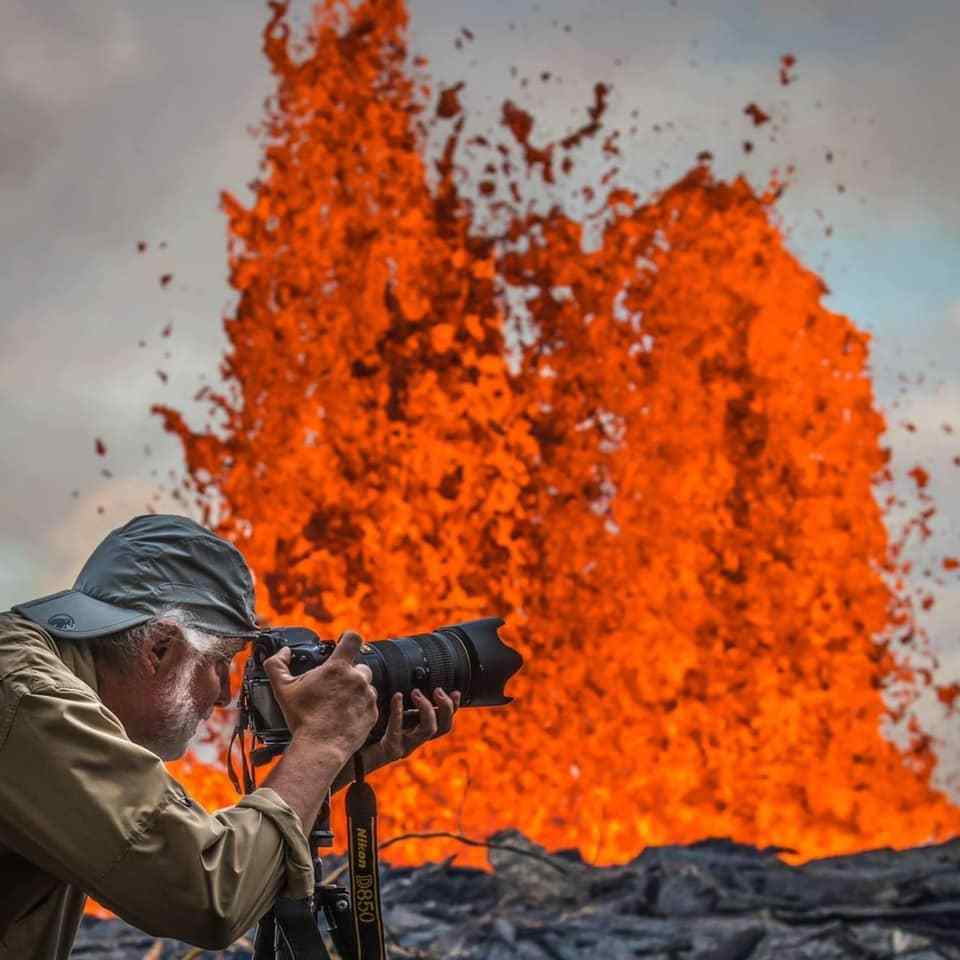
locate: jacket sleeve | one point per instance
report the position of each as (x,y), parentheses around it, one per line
(83,802)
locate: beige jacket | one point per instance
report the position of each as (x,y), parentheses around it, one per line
(84,810)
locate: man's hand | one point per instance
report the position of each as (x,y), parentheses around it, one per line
(330,712)
(334,703)
(435,720)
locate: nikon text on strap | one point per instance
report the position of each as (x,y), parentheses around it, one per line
(364,867)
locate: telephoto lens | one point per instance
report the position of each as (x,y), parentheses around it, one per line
(469,657)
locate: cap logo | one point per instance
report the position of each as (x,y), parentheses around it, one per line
(62,621)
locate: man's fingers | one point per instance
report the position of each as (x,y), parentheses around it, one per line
(394,731)
(278,666)
(366,671)
(428,715)
(391,743)
(349,647)
(445,709)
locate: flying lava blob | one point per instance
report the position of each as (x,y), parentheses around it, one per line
(665,484)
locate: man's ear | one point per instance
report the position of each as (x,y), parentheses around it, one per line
(164,647)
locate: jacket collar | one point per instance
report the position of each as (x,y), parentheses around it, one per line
(78,658)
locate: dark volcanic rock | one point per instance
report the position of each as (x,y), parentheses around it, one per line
(714,900)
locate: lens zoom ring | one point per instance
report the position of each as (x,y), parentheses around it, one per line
(440,659)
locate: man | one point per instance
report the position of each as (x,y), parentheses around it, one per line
(99,685)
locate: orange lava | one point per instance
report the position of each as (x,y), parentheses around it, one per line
(670,498)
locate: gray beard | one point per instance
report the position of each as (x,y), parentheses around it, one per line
(177,718)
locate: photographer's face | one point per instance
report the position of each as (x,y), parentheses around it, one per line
(187,696)
(182,675)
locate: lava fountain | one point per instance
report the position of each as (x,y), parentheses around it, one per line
(655,459)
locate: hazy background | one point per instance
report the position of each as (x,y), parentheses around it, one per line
(121,122)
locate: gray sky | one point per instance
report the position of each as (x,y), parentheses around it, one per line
(121,122)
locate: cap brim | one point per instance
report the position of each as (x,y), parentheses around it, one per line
(71,615)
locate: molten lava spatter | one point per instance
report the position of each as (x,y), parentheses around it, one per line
(669,496)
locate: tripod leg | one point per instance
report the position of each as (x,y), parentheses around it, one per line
(285,949)
(297,935)
(264,947)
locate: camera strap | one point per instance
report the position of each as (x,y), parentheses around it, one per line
(364,866)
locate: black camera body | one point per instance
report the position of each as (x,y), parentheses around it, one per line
(469,657)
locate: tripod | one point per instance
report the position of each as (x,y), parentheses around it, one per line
(293,929)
